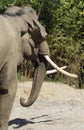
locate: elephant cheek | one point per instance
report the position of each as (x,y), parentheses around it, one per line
(39,75)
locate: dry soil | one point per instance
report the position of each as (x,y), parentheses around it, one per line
(58,107)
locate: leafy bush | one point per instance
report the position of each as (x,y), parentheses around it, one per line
(64,23)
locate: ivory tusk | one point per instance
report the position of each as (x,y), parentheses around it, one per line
(58,68)
(54,70)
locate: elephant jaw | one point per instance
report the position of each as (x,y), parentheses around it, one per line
(58,68)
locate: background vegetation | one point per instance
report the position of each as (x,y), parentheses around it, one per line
(64,22)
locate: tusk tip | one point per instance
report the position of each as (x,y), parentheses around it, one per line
(76,76)
(58,68)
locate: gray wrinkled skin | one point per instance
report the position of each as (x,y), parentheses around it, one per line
(21,36)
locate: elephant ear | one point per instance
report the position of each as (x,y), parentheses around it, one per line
(31,18)
(29,21)
(28,15)
(40,28)
(38,34)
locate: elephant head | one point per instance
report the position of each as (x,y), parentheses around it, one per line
(37,35)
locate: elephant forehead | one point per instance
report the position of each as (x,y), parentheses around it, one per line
(30,12)
(13,10)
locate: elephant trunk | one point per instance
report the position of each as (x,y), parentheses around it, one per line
(39,74)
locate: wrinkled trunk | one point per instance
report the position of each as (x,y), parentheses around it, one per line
(39,74)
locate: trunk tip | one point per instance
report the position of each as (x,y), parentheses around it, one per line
(23,102)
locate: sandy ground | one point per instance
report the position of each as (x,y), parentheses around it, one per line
(58,107)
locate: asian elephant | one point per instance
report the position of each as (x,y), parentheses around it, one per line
(21,36)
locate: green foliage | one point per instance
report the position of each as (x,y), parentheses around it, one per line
(64,22)
(66,34)
(19,76)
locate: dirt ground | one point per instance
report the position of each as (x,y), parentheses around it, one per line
(58,107)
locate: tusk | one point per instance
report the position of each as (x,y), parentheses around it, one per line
(54,70)
(58,68)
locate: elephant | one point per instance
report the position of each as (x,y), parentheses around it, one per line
(21,36)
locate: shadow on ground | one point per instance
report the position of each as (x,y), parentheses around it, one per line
(22,122)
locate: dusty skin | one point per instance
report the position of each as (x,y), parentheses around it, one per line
(58,107)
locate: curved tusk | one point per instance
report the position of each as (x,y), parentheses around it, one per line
(58,68)
(54,70)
